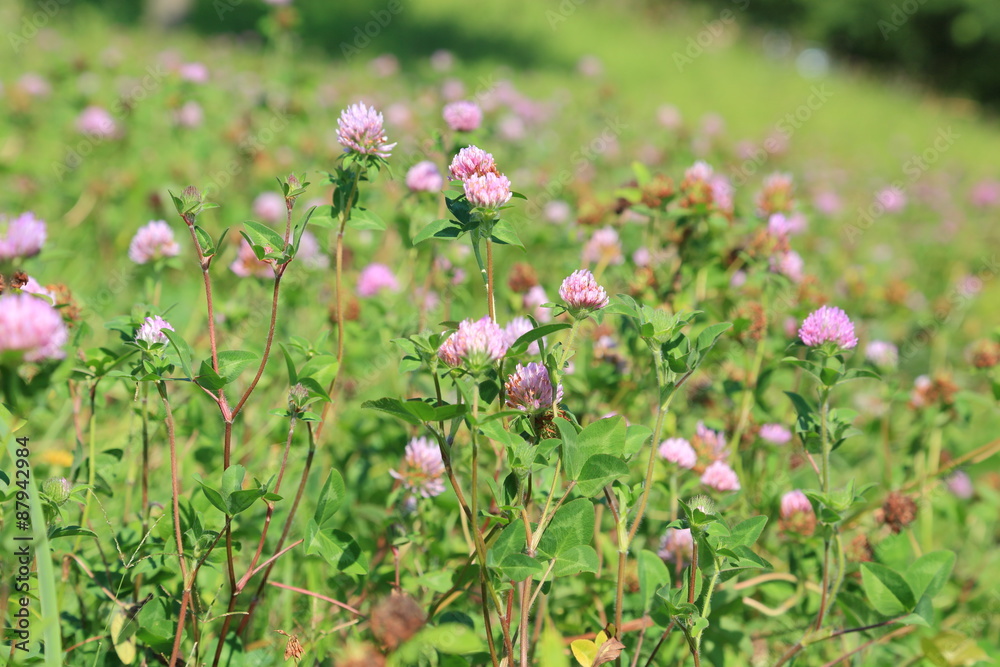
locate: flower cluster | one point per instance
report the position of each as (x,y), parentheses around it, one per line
(376,278)
(472,161)
(677,546)
(424,177)
(679,451)
(828,325)
(797,515)
(477,343)
(360,130)
(23,236)
(151,331)
(582,293)
(487,190)
(529,389)
(463,116)
(31,329)
(776,434)
(422,470)
(153,241)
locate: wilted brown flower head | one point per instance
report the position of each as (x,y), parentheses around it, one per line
(395,619)
(898,511)
(985,353)
(522,277)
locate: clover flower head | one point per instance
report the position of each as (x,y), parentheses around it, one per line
(422,472)
(153,241)
(360,130)
(828,325)
(529,389)
(679,451)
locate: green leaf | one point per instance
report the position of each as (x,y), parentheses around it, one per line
(518,567)
(599,471)
(887,591)
(232,363)
(365,219)
(747,532)
(182,349)
(214,497)
(262,235)
(523,341)
(635,437)
(653,575)
(950,648)
(504,233)
(338,548)
(431,229)
(572,525)
(204,241)
(451,639)
(604,436)
(394,407)
(929,573)
(70,531)
(331,498)
(581,558)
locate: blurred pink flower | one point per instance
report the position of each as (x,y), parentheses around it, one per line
(442,60)
(32,286)
(603,246)
(422,472)
(309,253)
(679,451)
(557,211)
(424,177)
(776,434)
(795,502)
(827,202)
(153,241)
(516,328)
(882,354)
(193,72)
(590,66)
(270,207)
(789,264)
(376,278)
(189,115)
(34,85)
(31,329)
(533,300)
(23,236)
(463,116)
(985,194)
(97,122)
(669,117)
(246,264)
(677,545)
(385,65)
(892,198)
(720,477)
(960,485)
